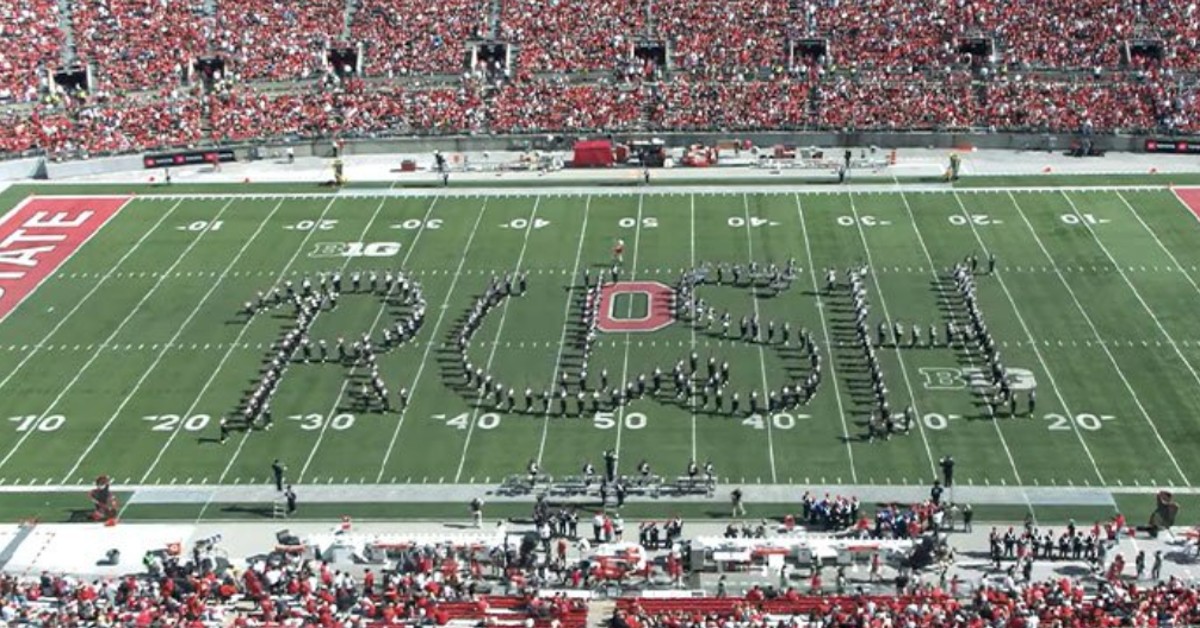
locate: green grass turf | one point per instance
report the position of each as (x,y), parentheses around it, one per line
(1100,343)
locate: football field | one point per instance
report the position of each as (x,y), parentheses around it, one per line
(123,358)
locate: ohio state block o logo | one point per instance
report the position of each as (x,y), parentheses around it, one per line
(657,314)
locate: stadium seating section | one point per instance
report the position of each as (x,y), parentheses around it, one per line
(315,594)
(889,65)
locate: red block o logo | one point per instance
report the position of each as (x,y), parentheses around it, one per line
(658,306)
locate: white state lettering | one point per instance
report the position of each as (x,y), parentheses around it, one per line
(20,235)
(23,257)
(12,274)
(58,221)
(2,292)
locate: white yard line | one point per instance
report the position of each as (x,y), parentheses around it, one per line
(120,326)
(970,359)
(562,339)
(433,341)
(1032,343)
(95,288)
(166,349)
(1095,332)
(487,368)
(887,315)
(637,239)
(370,331)
(833,376)
(692,309)
(278,278)
(762,360)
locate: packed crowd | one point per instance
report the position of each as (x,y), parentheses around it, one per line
(276,40)
(548,105)
(32,41)
(1054,602)
(708,36)
(429,586)
(169,119)
(242,114)
(735,105)
(138,44)
(409,38)
(562,35)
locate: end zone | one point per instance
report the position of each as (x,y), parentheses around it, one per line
(41,234)
(1190,197)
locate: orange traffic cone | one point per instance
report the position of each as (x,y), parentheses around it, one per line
(1047,170)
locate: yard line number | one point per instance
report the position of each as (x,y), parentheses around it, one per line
(631,421)
(865,220)
(37,422)
(462,420)
(779,420)
(314,421)
(168,422)
(981,220)
(203,225)
(1086,421)
(1079,219)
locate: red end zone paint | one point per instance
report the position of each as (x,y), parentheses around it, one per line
(659,307)
(1191,198)
(40,234)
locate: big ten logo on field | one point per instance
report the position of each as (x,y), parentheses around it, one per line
(354,249)
(951,378)
(635,306)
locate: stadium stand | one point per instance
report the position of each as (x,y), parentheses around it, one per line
(562,36)
(32,42)
(723,36)
(546,105)
(276,40)
(417,38)
(139,44)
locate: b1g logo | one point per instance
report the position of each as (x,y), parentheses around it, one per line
(354,249)
(951,378)
(635,306)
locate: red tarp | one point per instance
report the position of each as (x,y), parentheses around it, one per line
(593,154)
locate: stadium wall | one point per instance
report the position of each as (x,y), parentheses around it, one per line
(19,169)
